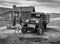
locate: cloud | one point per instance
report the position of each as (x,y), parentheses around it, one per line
(51,6)
(19,2)
(40,5)
(56,0)
(41,0)
(48,3)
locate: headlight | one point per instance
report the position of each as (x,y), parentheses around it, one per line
(27,20)
(37,21)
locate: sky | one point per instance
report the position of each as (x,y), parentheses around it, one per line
(46,6)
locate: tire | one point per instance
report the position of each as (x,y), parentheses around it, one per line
(24,30)
(45,27)
(40,30)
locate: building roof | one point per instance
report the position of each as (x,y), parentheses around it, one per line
(27,8)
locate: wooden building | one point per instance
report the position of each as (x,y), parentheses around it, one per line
(21,12)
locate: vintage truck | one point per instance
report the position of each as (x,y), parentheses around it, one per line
(37,23)
(30,20)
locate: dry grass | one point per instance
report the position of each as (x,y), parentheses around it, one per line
(14,39)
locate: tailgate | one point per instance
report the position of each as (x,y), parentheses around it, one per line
(47,18)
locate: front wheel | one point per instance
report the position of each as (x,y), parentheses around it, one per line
(40,30)
(24,30)
(45,25)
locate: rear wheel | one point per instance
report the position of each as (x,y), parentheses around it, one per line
(40,30)
(45,27)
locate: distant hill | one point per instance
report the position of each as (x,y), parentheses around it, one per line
(54,15)
(4,16)
(3,10)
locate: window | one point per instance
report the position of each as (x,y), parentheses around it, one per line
(36,15)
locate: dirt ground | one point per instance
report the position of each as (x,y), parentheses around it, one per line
(50,36)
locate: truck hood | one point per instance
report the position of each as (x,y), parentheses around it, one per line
(36,20)
(32,25)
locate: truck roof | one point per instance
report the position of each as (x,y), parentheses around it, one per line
(37,13)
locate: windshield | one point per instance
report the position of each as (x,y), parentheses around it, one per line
(36,15)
